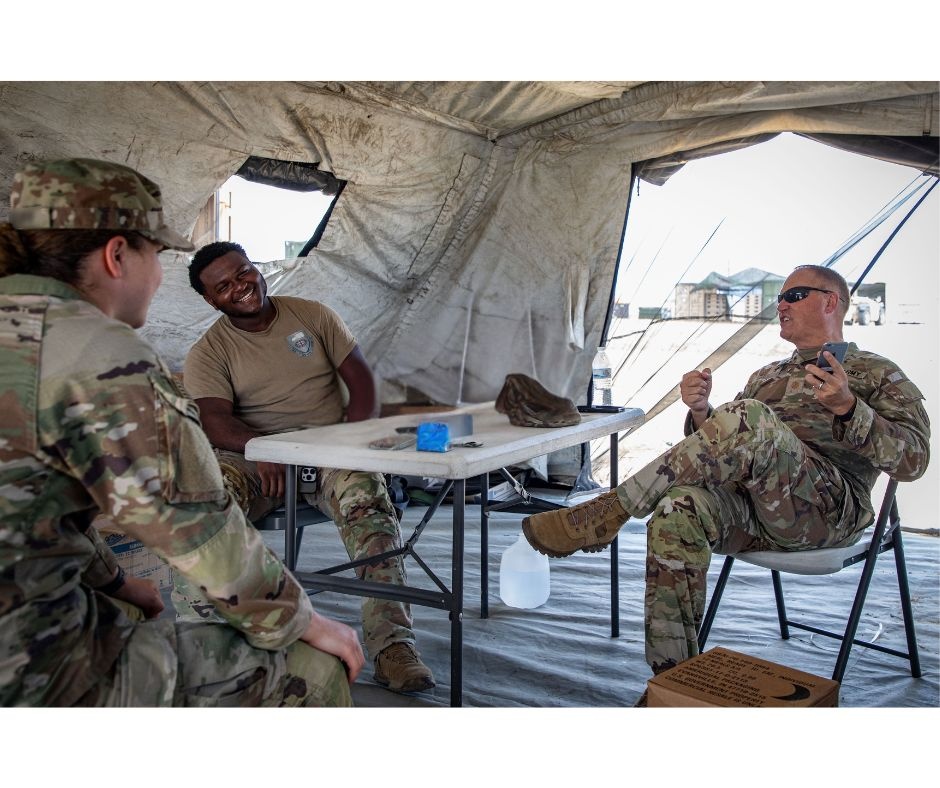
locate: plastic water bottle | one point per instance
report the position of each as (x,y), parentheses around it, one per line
(524,579)
(602,377)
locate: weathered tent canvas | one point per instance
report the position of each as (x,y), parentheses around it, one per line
(480,223)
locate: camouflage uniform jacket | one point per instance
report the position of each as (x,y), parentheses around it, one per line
(889,430)
(91,421)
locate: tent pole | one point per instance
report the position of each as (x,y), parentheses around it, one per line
(613,282)
(586,447)
(318,233)
(891,237)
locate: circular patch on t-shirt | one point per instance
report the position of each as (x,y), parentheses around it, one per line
(300,343)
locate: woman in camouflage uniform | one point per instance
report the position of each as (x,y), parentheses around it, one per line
(92,423)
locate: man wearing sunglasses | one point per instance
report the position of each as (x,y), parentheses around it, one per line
(789,464)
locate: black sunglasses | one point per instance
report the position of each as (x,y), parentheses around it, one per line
(795,294)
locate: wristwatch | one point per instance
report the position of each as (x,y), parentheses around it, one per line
(113,585)
(847,416)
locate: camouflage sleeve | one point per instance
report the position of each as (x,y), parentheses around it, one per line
(103,566)
(688,426)
(891,429)
(753,384)
(135,441)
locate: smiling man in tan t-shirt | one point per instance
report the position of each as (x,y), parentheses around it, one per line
(272,364)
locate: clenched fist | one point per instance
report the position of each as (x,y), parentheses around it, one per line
(695,388)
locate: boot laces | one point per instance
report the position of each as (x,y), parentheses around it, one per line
(598,509)
(400,654)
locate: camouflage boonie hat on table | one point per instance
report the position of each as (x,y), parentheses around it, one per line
(529,404)
(86,194)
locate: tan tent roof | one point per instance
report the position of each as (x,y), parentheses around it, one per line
(479,229)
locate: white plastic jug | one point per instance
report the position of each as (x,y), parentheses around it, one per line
(523,575)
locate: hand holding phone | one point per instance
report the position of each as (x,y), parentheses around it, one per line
(829,387)
(837,349)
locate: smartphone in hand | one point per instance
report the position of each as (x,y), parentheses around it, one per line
(837,349)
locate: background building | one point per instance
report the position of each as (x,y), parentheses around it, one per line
(741,295)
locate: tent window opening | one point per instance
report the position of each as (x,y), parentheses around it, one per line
(276,209)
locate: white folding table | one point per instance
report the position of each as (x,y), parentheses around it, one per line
(346,446)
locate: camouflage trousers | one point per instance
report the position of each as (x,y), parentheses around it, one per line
(166,663)
(359,505)
(743,481)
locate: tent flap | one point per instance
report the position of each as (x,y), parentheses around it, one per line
(295,175)
(922,152)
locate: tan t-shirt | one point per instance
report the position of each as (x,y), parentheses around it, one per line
(282,378)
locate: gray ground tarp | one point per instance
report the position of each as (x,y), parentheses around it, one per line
(561,654)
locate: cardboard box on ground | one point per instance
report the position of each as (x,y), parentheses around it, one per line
(133,557)
(724,678)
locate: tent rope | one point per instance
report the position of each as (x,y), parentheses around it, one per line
(876,221)
(893,233)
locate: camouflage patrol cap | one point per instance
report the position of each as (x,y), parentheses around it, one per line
(86,194)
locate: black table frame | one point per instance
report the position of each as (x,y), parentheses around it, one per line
(442,598)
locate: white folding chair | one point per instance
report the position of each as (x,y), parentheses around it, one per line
(885,535)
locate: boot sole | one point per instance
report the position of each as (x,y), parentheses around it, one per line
(419,685)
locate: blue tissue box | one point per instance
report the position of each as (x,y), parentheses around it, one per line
(433,436)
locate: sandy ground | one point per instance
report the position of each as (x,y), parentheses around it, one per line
(667,350)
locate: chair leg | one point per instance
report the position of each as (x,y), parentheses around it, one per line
(878,544)
(905,591)
(706,626)
(781,606)
(889,511)
(854,617)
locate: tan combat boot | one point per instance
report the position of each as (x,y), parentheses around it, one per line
(399,668)
(589,526)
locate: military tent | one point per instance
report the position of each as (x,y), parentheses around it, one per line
(477,226)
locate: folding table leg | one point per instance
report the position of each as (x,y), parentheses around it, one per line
(290,510)
(456,607)
(484,546)
(614,549)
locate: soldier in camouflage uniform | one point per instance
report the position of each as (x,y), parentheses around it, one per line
(789,464)
(91,422)
(272,364)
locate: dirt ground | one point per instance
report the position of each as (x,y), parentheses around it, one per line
(666,350)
